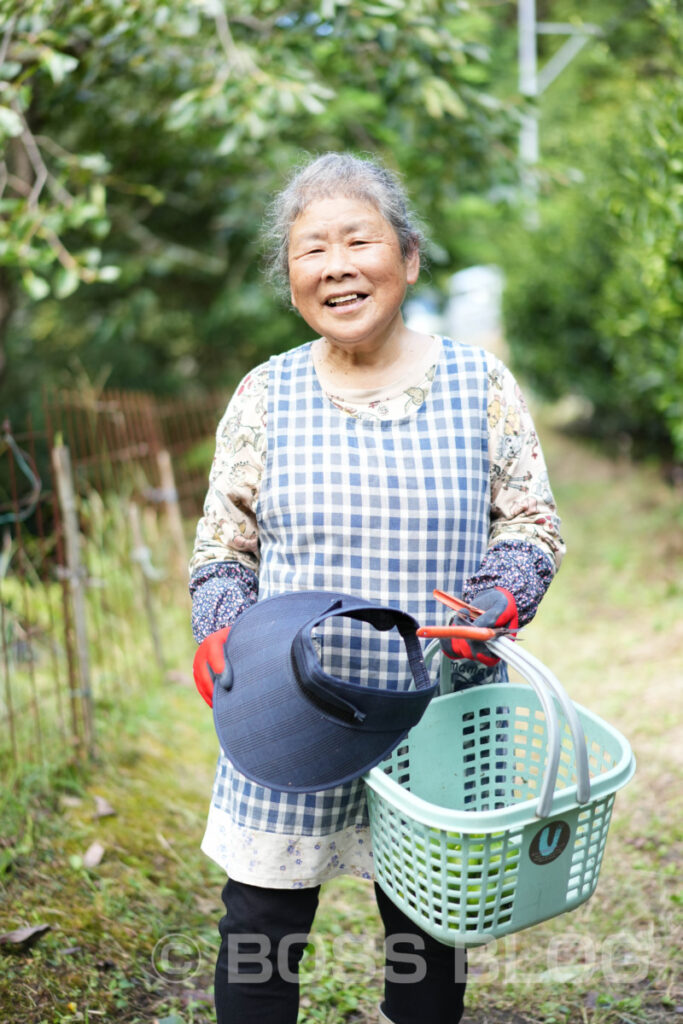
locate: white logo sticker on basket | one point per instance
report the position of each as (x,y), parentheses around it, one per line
(549,842)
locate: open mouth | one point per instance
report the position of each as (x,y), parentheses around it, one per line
(340,301)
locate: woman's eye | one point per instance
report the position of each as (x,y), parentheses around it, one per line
(359,241)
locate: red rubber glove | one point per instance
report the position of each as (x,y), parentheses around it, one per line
(499,609)
(209,663)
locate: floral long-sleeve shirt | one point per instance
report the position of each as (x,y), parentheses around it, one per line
(525,546)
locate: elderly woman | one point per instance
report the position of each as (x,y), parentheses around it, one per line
(384,463)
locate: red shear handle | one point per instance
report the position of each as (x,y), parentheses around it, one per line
(480,633)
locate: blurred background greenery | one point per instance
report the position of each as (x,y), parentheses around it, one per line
(141,141)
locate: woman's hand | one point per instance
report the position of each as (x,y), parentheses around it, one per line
(498,608)
(209,663)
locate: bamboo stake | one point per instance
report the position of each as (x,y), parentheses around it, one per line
(174,519)
(140,553)
(61,462)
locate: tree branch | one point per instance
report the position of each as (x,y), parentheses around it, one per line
(262,27)
(7,38)
(33,152)
(183,255)
(65,258)
(40,170)
(24,244)
(238,60)
(39,166)
(19,185)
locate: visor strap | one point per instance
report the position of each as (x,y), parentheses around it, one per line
(319,692)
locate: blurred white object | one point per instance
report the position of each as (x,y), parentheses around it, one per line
(421,313)
(474,310)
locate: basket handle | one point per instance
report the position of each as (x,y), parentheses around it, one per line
(530,667)
(548,678)
(546,686)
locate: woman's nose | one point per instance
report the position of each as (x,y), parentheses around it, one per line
(338,262)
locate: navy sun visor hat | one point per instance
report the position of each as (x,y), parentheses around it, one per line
(287,724)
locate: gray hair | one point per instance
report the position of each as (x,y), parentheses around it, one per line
(362,178)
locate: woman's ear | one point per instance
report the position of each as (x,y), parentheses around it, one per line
(413,265)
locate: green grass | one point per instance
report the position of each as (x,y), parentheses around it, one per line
(96,962)
(612,630)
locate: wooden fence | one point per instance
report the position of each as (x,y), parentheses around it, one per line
(97,508)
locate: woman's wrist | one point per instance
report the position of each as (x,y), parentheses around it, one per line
(220,592)
(520,567)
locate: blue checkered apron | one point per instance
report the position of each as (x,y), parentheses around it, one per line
(386,510)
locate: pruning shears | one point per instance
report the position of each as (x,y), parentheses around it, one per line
(463,628)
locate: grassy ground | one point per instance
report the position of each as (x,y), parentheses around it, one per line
(132,938)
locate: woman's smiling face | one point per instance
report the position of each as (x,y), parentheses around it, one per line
(347,275)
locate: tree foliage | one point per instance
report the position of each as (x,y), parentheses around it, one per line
(143,140)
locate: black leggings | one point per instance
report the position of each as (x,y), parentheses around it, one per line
(263,937)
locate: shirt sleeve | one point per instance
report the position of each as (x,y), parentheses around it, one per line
(525,546)
(220,592)
(225,558)
(227,529)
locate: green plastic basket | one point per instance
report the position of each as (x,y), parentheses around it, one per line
(492,814)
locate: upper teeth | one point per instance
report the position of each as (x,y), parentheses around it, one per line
(342,298)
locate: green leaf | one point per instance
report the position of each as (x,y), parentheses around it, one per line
(312,104)
(432,100)
(10,69)
(212,8)
(37,287)
(65,283)
(10,123)
(95,162)
(439,99)
(99,227)
(108,273)
(228,143)
(58,64)
(386,10)
(98,195)
(90,257)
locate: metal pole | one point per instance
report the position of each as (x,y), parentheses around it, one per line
(528,87)
(532,84)
(527,47)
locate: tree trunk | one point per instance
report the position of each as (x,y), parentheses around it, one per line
(19,166)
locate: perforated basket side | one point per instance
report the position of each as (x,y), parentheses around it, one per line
(466,868)
(459,888)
